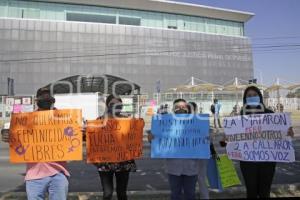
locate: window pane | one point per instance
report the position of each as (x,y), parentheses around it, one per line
(130,21)
(31,13)
(91,18)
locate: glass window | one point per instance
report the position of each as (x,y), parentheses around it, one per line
(15,12)
(130,21)
(171,23)
(3,6)
(81,17)
(31,13)
(241,29)
(98,14)
(200,25)
(211,25)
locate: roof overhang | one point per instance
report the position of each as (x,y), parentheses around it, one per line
(167,7)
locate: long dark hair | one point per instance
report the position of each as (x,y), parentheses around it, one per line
(110,98)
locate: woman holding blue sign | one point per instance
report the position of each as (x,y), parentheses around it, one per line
(258,176)
(182,173)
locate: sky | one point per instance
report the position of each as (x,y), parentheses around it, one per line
(276,23)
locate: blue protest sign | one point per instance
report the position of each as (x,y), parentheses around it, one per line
(213,175)
(180,136)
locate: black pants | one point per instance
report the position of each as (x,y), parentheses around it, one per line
(107,182)
(258,178)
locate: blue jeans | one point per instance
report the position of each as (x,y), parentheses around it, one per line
(56,185)
(185,183)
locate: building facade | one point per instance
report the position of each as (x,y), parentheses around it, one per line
(155,44)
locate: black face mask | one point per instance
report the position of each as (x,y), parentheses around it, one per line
(181,111)
(115,110)
(44,104)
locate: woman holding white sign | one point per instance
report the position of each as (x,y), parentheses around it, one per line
(258,176)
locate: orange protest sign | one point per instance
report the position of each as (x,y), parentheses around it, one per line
(46,136)
(114,140)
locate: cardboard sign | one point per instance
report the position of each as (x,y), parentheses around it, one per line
(20,108)
(221,173)
(46,136)
(259,137)
(180,136)
(213,175)
(17,108)
(227,172)
(114,140)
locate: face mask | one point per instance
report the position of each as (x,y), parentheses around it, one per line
(181,111)
(44,104)
(253,101)
(115,110)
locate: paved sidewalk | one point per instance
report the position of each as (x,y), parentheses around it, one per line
(289,190)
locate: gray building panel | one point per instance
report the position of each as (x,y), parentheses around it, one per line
(36,53)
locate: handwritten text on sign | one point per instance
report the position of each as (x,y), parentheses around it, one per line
(180,136)
(46,136)
(259,137)
(114,140)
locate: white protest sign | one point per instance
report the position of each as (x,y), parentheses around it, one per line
(259,137)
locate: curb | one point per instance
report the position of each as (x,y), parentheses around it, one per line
(280,190)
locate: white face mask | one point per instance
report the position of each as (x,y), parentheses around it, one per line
(253,101)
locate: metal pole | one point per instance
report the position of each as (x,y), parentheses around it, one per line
(236,90)
(236,97)
(138,105)
(278,93)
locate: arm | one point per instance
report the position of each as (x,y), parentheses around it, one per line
(150,136)
(213,152)
(291,132)
(83,130)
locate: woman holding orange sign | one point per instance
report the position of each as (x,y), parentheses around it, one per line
(120,170)
(44,177)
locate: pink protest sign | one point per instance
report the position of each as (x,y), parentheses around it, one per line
(17,108)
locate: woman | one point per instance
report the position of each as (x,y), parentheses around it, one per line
(182,173)
(120,170)
(45,177)
(258,176)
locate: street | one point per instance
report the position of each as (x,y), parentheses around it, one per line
(149,177)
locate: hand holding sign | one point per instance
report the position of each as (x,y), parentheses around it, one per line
(150,136)
(291,132)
